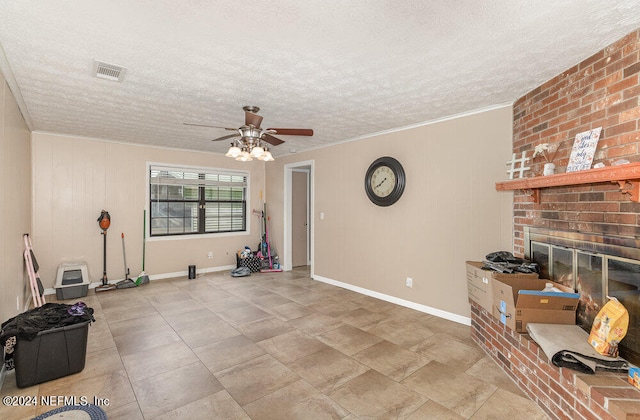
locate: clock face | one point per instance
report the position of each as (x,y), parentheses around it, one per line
(384,181)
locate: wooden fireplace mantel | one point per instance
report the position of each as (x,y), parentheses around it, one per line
(626,176)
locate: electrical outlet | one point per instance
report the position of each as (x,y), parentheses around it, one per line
(409,282)
(210,255)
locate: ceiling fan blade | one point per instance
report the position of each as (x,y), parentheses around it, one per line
(226,137)
(272,140)
(293,131)
(252,119)
(210,126)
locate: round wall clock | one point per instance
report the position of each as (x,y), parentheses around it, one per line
(384,181)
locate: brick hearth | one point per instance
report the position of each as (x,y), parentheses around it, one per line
(561,392)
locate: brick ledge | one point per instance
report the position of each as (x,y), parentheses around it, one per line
(561,392)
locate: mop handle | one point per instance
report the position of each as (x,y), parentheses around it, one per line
(124,254)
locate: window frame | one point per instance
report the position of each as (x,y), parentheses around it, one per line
(201,200)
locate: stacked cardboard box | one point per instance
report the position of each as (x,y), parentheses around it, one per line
(517,299)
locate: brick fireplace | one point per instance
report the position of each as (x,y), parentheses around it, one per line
(601,91)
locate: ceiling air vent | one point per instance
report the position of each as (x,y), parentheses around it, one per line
(108,71)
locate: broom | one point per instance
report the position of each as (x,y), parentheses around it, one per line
(143,277)
(266,236)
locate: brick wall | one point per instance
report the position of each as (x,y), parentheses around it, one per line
(562,393)
(601,91)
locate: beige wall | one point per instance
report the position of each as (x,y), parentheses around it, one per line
(15,203)
(75,178)
(449,212)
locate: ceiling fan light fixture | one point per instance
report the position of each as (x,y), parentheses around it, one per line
(267,156)
(233,152)
(257,152)
(244,156)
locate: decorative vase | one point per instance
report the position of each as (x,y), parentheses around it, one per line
(549,169)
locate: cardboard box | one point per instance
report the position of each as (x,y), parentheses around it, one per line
(520,301)
(479,283)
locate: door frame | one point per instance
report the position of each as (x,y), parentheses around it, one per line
(289,168)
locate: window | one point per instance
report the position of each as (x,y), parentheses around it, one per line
(188,201)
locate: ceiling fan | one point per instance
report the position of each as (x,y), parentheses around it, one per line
(249,139)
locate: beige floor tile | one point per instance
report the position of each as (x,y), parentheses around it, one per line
(364,319)
(265,328)
(373,395)
(487,370)
(298,400)
(289,311)
(291,346)
(451,388)
(99,337)
(148,323)
(109,391)
(130,411)
(174,388)
(167,296)
(154,361)
(183,306)
(25,403)
(452,352)
(315,323)
(134,311)
(391,360)
(199,317)
(308,297)
(335,307)
(288,290)
(141,340)
(327,369)
(243,315)
(433,411)
(372,304)
(349,339)
(202,333)
(209,294)
(226,304)
(284,345)
(248,292)
(505,405)
(215,406)
(402,332)
(269,300)
(255,378)
(229,352)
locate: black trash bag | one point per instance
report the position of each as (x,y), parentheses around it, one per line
(499,256)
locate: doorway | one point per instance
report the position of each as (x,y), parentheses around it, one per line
(298,206)
(300,218)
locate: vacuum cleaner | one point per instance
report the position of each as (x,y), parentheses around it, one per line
(104,221)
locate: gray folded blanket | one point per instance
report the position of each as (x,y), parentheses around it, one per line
(567,346)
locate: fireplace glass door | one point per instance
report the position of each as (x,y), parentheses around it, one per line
(624,285)
(590,285)
(594,274)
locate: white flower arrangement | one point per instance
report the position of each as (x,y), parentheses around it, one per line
(543,149)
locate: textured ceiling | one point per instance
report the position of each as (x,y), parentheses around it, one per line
(347,69)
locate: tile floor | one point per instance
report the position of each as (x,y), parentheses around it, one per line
(276,346)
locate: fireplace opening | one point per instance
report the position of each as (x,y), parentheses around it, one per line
(595,266)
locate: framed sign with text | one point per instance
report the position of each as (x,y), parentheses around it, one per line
(584,148)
